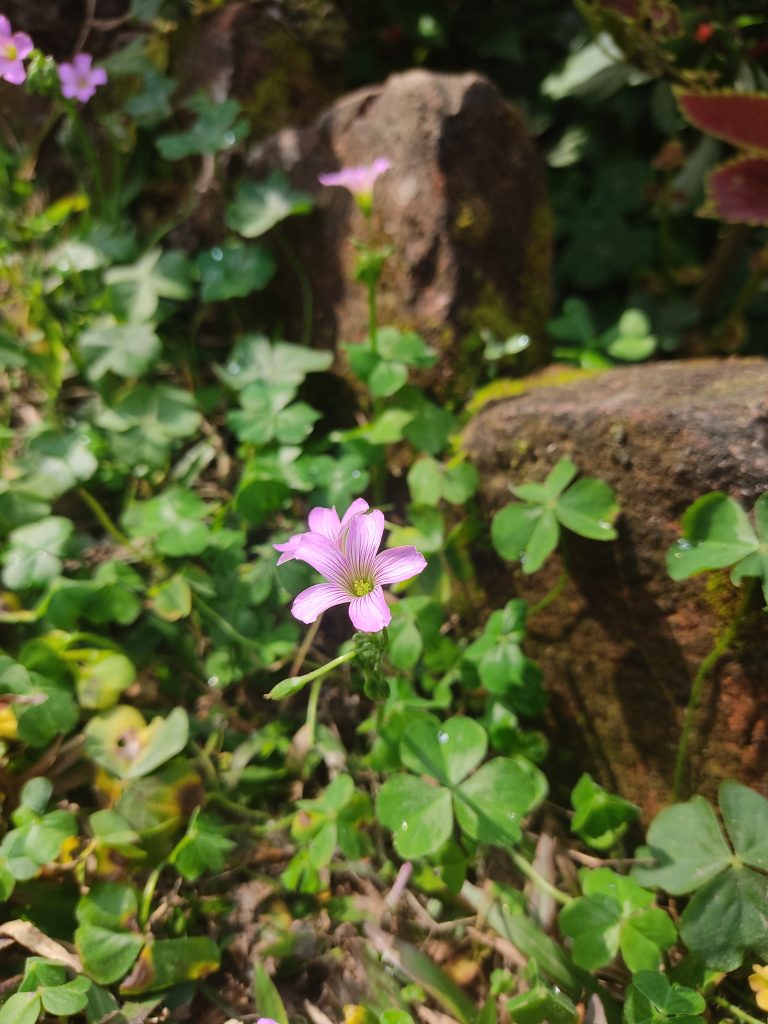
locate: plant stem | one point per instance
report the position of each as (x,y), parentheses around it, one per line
(103,517)
(373,318)
(720,646)
(527,869)
(549,597)
(742,1015)
(148,893)
(306,643)
(314,697)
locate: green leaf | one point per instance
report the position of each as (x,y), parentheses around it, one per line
(448,751)
(172,519)
(716,533)
(513,527)
(21,1008)
(588,508)
(418,814)
(54,463)
(255,358)
(387,378)
(136,289)
(146,420)
(600,818)
(101,676)
(259,206)
(265,995)
(644,937)
(491,804)
(651,999)
(68,999)
(126,350)
(217,127)
(203,848)
(107,955)
(234,270)
(122,743)
(33,557)
(428,427)
(425,481)
(688,846)
(726,918)
(171,599)
(745,814)
(460,483)
(168,962)
(542,1005)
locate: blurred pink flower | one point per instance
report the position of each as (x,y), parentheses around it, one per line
(14,47)
(359,181)
(356,572)
(324,521)
(79,80)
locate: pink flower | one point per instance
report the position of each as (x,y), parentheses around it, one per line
(355,571)
(14,46)
(79,80)
(266,1020)
(359,181)
(323,521)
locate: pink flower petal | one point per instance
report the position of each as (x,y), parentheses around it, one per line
(358,506)
(324,556)
(326,522)
(288,548)
(5,26)
(398,564)
(370,614)
(98,76)
(12,71)
(82,63)
(315,600)
(363,541)
(23,44)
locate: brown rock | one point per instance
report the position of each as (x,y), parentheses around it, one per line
(621,645)
(463,206)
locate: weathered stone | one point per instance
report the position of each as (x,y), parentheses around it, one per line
(622,643)
(463,207)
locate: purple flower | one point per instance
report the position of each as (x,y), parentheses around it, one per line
(14,46)
(323,521)
(266,1020)
(355,571)
(79,80)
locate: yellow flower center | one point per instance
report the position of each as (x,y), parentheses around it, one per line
(10,52)
(361,587)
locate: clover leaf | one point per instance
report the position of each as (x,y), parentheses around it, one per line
(173,519)
(136,289)
(256,358)
(503,668)
(234,270)
(259,206)
(488,803)
(144,422)
(725,917)
(717,533)
(529,531)
(53,463)
(652,999)
(34,555)
(600,818)
(616,914)
(217,127)
(126,350)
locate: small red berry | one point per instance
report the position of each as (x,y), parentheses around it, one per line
(704,32)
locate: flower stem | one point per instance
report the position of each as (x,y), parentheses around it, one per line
(104,519)
(720,646)
(314,697)
(527,869)
(287,687)
(373,317)
(741,1015)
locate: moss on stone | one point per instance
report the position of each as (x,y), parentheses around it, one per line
(513,387)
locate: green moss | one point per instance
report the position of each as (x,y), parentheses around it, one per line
(512,388)
(721,595)
(272,103)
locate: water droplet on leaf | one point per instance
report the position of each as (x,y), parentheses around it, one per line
(217,254)
(404,826)
(442,737)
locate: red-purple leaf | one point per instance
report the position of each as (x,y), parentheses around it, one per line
(737,192)
(739,118)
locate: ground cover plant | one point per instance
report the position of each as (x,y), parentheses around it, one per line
(230,792)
